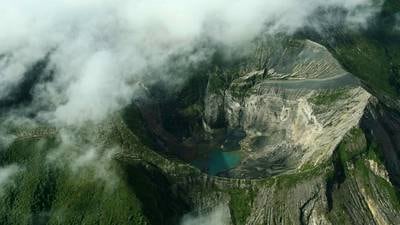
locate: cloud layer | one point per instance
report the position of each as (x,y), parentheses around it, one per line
(99,49)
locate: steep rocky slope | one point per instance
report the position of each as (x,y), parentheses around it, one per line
(316,148)
(353,187)
(284,107)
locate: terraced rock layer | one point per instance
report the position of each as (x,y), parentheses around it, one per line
(289,118)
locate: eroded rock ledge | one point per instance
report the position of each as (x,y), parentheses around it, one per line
(291,119)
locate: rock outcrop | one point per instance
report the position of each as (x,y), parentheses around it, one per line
(287,123)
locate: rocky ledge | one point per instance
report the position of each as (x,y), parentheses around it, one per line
(289,118)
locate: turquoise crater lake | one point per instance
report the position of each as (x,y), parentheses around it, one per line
(217,161)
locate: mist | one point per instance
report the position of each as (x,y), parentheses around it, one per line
(97,51)
(218,216)
(93,56)
(6,175)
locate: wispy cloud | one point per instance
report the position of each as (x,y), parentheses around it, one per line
(218,216)
(100,49)
(97,51)
(6,175)
(82,154)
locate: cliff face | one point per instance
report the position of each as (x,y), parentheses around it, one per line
(349,191)
(297,135)
(341,175)
(292,122)
(353,187)
(289,108)
(382,125)
(350,194)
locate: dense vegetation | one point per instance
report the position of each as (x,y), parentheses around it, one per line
(372,53)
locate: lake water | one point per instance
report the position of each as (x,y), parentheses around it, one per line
(218,161)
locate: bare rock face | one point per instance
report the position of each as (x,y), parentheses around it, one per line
(351,192)
(291,118)
(378,170)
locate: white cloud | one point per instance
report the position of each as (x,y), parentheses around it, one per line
(83,154)
(218,216)
(96,91)
(7,173)
(101,48)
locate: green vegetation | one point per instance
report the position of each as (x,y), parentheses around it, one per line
(51,193)
(291,180)
(373,54)
(353,144)
(152,188)
(329,97)
(368,177)
(217,81)
(56,191)
(135,122)
(192,112)
(352,174)
(240,204)
(371,60)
